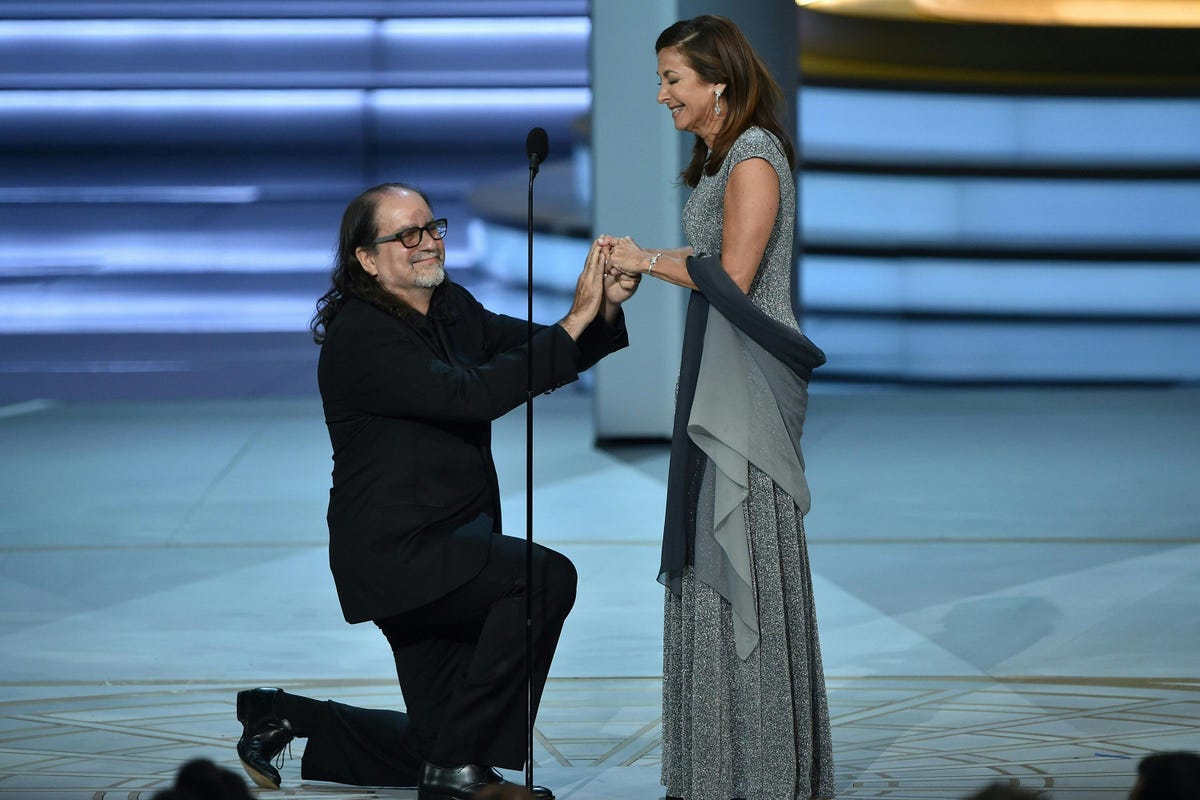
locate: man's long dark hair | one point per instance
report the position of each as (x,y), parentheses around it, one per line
(720,53)
(349,279)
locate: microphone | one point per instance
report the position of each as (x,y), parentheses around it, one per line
(537,147)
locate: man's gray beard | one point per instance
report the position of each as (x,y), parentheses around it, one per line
(430,281)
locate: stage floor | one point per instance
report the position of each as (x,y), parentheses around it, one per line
(1007,585)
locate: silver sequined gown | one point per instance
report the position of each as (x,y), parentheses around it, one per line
(756,729)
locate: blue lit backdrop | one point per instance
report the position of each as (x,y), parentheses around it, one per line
(186,175)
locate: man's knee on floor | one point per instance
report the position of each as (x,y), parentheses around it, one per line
(561,581)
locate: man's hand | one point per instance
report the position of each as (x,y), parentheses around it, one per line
(618,287)
(589,294)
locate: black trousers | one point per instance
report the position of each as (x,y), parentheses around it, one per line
(461,665)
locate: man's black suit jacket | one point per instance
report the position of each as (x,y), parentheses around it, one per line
(409,403)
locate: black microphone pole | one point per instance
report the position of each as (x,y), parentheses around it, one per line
(537,146)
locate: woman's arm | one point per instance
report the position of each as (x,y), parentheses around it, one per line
(751,203)
(669,265)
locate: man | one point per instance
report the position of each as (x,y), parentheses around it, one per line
(412,372)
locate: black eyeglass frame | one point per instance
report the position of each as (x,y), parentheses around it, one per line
(435,228)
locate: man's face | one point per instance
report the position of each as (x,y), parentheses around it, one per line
(402,270)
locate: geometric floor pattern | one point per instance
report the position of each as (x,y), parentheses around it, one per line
(899,737)
(1006,581)
(943,736)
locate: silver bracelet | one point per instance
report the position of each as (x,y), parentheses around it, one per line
(653,260)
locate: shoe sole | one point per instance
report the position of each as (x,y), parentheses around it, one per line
(427,795)
(262,780)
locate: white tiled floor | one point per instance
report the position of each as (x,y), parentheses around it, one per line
(1006,581)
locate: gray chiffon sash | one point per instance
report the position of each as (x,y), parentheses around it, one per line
(748,409)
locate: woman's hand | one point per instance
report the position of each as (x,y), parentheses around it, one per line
(624,255)
(619,286)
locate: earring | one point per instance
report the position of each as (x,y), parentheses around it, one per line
(717,103)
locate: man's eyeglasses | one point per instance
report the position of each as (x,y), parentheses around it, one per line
(411,237)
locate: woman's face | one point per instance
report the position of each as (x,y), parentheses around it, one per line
(688,97)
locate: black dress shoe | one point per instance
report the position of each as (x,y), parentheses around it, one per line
(264,735)
(451,783)
(463,783)
(539,792)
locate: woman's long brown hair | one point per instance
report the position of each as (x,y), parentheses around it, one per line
(719,53)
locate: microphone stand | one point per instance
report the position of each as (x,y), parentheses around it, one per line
(536,147)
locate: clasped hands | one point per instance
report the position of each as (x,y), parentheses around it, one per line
(603,284)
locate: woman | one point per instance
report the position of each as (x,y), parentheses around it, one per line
(744,708)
